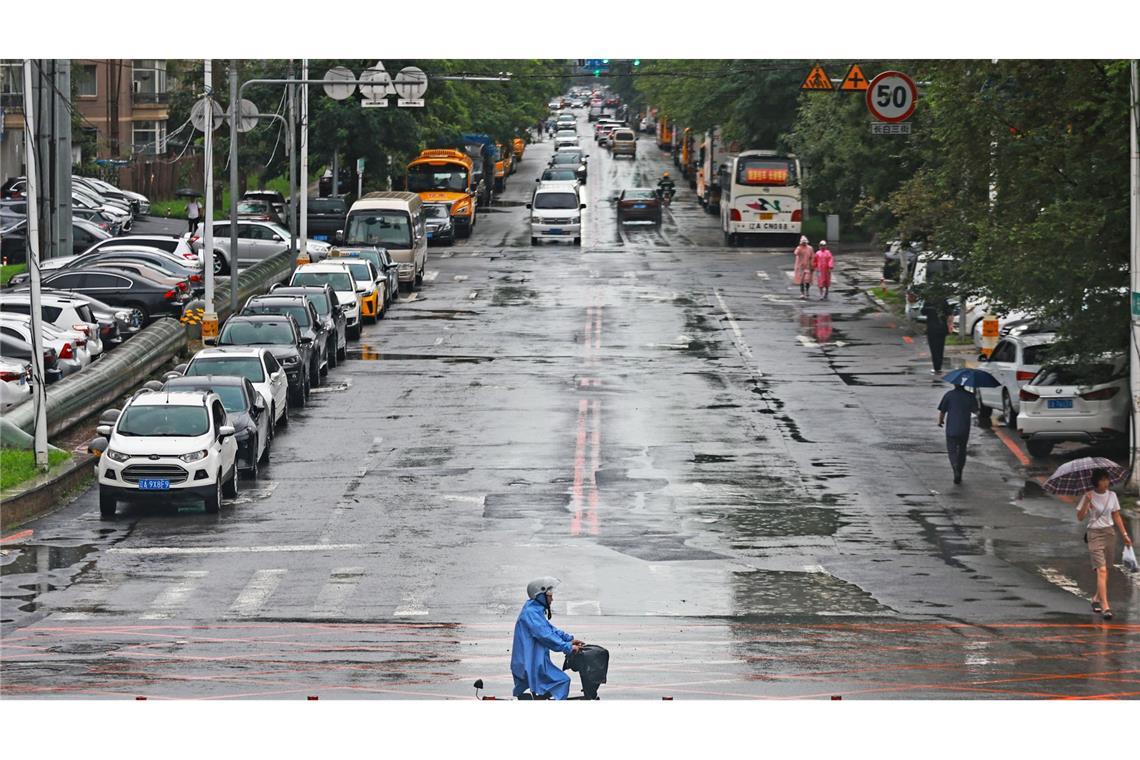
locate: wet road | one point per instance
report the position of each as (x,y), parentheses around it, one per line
(745,495)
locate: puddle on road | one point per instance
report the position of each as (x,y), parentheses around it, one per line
(763,592)
(657,548)
(708,458)
(507,295)
(45,567)
(793,520)
(449,314)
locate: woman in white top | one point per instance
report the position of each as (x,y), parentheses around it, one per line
(1104,508)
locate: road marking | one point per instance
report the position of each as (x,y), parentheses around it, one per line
(431,275)
(579,468)
(336,592)
(1061,581)
(814,569)
(167,604)
(460,497)
(438,341)
(735,327)
(1010,444)
(763,275)
(474,294)
(257,592)
(446,254)
(22,535)
(159,550)
(410,604)
(460,278)
(583,608)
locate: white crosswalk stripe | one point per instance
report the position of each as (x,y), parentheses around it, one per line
(337,591)
(168,603)
(257,592)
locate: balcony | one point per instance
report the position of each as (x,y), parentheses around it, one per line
(151,98)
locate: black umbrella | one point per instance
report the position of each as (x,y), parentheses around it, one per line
(187,192)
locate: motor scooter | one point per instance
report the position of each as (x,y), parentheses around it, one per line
(666,198)
(592,664)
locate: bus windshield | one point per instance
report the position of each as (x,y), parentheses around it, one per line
(446,177)
(766,171)
(388,228)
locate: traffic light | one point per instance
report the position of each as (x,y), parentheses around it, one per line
(636,61)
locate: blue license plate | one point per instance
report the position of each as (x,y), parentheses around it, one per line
(151,484)
(639,205)
(554,232)
(1060,403)
(320,237)
(429,236)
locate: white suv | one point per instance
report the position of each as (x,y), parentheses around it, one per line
(168,443)
(318,275)
(1066,402)
(556,213)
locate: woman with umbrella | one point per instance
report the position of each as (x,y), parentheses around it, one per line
(1093,476)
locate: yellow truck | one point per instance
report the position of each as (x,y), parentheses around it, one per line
(519,147)
(445,176)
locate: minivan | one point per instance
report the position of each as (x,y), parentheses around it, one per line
(392,220)
(556,213)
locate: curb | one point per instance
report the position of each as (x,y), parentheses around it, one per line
(44,493)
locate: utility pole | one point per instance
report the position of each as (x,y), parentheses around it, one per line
(292,90)
(234,115)
(304,231)
(210,318)
(1134,242)
(39,388)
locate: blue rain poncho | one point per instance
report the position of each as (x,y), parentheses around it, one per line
(531,667)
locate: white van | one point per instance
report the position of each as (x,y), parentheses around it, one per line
(556,213)
(392,220)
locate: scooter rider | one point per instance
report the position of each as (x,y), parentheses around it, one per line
(665,185)
(535,637)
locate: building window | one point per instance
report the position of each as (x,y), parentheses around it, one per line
(86,81)
(149,138)
(11,83)
(150,81)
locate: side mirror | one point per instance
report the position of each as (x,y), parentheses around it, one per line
(103,430)
(225,431)
(539,179)
(528,205)
(581,205)
(983,358)
(278,239)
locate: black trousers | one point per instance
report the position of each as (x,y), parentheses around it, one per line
(193,224)
(937,342)
(956,449)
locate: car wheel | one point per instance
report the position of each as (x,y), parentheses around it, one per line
(315,374)
(221,266)
(341,354)
(230,490)
(333,358)
(419,279)
(268,448)
(139,313)
(577,241)
(533,240)
(1040,448)
(985,414)
(107,504)
(252,471)
(1007,411)
(213,501)
(354,332)
(285,414)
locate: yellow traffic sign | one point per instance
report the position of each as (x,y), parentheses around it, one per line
(854,81)
(817,80)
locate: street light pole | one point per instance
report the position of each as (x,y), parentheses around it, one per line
(210,318)
(304,232)
(1134,244)
(292,90)
(234,115)
(39,389)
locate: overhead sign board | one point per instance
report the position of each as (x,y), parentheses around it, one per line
(817,80)
(411,83)
(892,96)
(854,81)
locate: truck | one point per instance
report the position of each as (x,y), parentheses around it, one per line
(446,176)
(664,133)
(712,154)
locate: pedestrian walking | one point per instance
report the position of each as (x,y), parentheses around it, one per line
(804,254)
(823,262)
(1102,507)
(937,313)
(954,412)
(193,213)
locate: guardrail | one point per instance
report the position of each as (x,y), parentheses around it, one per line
(84,393)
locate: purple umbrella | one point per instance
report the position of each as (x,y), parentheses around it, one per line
(1075,478)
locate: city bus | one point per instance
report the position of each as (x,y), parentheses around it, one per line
(446,176)
(760,197)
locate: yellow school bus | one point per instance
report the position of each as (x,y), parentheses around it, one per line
(519,147)
(445,176)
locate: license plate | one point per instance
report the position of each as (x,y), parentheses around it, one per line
(429,236)
(765,217)
(1060,403)
(555,232)
(151,484)
(320,237)
(639,205)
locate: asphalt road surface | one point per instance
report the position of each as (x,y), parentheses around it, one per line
(745,495)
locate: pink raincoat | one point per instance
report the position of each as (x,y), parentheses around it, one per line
(823,263)
(804,254)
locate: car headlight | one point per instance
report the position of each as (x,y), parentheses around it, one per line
(462,207)
(115,456)
(195,456)
(575,220)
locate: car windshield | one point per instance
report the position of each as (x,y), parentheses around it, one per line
(437,177)
(555,201)
(1073,374)
(392,229)
(436,212)
(232,396)
(239,366)
(639,193)
(360,271)
(559,175)
(568,157)
(326,206)
(298,312)
(338,280)
(164,421)
(256,333)
(253,207)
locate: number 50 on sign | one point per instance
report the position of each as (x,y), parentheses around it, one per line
(891,96)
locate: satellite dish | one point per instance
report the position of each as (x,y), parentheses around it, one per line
(339,83)
(247,115)
(380,81)
(411,83)
(198,114)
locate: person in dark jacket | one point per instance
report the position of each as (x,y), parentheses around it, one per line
(937,312)
(954,413)
(535,638)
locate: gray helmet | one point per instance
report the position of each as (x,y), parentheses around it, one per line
(541,586)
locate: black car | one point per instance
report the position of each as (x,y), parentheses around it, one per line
(326,216)
(324,299)
(165,265)
(570,158)
(146,298)
(14,242)
(279,334)
(245,409)
(309,322)
(12,347)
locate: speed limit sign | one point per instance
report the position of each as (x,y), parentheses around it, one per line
(891,96)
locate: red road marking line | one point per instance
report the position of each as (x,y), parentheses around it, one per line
(579,466)
(595,464)
(1010,444)
(17,536)
(908,339)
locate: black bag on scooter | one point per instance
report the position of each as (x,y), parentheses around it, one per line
(592,664)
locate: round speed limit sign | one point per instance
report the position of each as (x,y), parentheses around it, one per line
(891,96)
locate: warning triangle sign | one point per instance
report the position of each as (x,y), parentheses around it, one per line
(817,80)
(854,81)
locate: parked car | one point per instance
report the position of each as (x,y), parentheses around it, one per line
(259,211)
(438,222)
(165,444)
(387,270)
(65,311)
(898,252)
(369,284)
(1071,402)
(21,350)
(112,325)
(257,241)
(147,297)
(324,300)
(311,327)
(245,411)
(639,204)
(155,261)
(278,333)
(14,245)
(274,198)
(70,346)
(326,217)
(928,268)
(254,363)
(342,284)
(1014,362)
(100,219)
(15,383)
(178,246)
